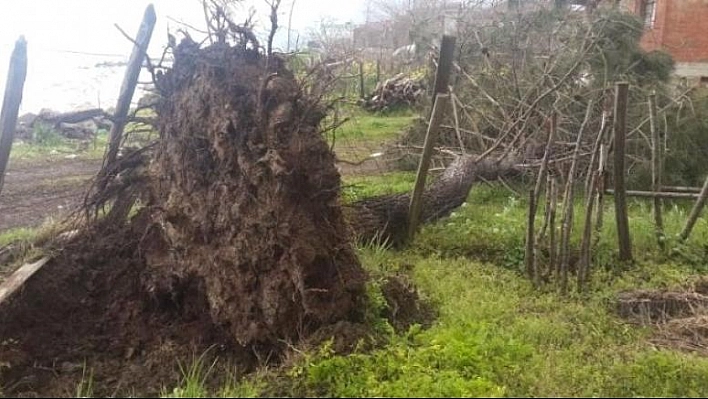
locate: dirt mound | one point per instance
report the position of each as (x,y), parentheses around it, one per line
(405,307)
(346,337)
(649,307)
(240,243)
(680,318)
(88,308)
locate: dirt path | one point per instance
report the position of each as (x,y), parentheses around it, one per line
(41,189)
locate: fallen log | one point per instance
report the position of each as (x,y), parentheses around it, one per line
(652,194)
(385,218)
(74,124)
(56,119)
(399,91)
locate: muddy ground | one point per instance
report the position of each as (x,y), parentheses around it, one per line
(38,189)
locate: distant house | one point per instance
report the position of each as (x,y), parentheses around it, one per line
(676,26)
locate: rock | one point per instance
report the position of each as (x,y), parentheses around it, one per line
(76,131)
(27,119)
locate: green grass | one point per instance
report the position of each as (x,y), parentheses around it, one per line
(50,146)
(18,234)
(47,144)
(364,133)
(496,335)
(85,386)
(372,128)
(357,187)
(27,243)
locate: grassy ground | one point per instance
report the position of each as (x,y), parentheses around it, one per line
(495,335)
(14,235)
(364,134)
(47,144)
(53,147)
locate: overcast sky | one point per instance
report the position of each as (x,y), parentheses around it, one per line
(60,34)
(87,25)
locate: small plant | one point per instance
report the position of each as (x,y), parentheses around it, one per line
(85,387)
(193,378)
(45,135)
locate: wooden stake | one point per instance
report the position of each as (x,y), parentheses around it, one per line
(542,233)
(441,98)
(547,213)
(529,255)
(600,197)
(11,103)
(441,102)
(695,212)
(605,123)
(130,81)
(620,129)
(362,87)
(568,200)
(552,247)
(442,75)
(584,264)
(547,154)
(656,169)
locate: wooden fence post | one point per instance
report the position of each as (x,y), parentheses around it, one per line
(530,252)
(11,103)
(620,128)
(656,170)
(130,80)
(442,75)
(440,102)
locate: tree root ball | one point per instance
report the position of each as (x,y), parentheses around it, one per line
(247,197)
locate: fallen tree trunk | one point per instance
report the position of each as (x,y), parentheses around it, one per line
(71,117)
(399,91)
(385,218)
(74,124)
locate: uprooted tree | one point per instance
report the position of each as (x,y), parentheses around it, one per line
(227,230)
(238,238)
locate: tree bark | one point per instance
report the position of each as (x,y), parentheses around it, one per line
(385,218)
(72,117)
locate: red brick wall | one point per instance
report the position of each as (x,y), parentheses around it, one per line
(681,28)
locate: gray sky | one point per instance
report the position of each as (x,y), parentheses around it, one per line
(87,25)
(60,33)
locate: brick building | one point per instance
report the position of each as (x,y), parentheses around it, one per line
(676,26)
